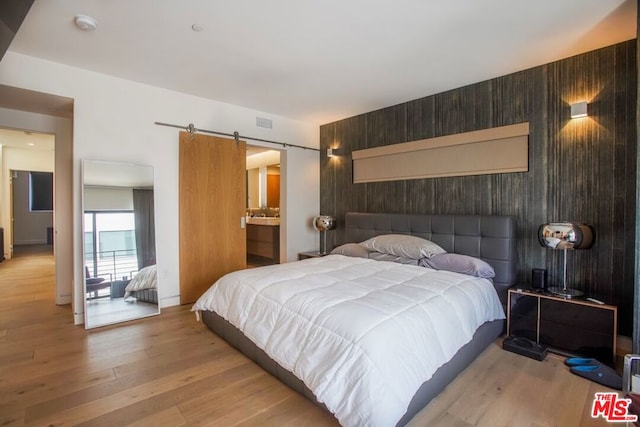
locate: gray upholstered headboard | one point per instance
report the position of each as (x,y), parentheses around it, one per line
(490,238)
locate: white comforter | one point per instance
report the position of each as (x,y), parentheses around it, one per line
(147,278)
(363,335)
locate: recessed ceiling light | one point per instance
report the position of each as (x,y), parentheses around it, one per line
(85,23)
(197,28)
(30,144)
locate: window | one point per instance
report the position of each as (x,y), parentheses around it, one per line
(40,191)
(119,241)
(110,244)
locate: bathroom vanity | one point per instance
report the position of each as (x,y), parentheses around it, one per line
(263,237)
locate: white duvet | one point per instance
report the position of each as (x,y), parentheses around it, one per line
(147,278)
(363,335)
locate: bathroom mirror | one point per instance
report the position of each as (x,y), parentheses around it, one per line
(119,243)
(263,178)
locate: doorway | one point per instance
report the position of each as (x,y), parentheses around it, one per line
(35,113)
(263,206)
(29,162)
(31,212)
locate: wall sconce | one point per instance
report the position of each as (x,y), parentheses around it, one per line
(579,109)
(333,152)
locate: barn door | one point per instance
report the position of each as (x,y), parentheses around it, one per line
(212,204)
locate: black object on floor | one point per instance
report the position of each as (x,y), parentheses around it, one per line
(600,374)
(525,347)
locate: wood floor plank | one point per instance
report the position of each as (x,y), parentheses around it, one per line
(42,388)
(171,370)
(236,402)
(178,395)
(166,417)
(291,412)
(78,413)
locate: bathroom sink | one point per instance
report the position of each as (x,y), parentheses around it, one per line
(263,220)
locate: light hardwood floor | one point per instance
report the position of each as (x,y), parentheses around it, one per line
(170,370)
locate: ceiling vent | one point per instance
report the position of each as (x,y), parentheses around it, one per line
(261,122)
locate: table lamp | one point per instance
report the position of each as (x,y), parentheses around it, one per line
(322,223)
(565,236)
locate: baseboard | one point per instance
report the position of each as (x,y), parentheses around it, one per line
(30,242)
(63,300)
(78,318)
(169,302)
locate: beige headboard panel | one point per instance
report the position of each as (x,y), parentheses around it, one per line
(496,150)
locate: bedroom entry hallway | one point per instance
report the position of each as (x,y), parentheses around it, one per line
(171,370)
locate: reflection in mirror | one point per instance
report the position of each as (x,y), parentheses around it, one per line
(565,235)
(263,178)
(119,243)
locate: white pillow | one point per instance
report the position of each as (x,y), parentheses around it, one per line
(403,245)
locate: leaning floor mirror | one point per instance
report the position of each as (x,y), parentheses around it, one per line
(119,243)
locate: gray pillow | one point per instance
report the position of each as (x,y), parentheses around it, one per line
(351,249)
(379,256)
(403,245)
(459,264)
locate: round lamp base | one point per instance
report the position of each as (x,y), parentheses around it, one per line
(566,292)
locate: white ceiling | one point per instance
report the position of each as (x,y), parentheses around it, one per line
(26,140)
(320,61)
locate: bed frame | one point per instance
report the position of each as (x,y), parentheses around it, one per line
(491,238)
(146,295)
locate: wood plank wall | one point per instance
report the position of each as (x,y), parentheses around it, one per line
(579,170)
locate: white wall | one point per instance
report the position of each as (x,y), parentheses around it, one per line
(114,120)
(302,185)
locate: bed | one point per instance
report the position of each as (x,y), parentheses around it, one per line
(143,286)
(406,340)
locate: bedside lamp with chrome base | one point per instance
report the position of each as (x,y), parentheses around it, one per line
(322,223)
(565,236)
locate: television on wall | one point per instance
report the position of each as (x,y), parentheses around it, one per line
(40,191)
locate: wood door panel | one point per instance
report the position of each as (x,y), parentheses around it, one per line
(212,203)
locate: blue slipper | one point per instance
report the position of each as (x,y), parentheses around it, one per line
(599,373)
(580,361)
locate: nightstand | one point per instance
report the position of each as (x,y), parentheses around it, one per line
(117,288)
(312,254)
(570,327)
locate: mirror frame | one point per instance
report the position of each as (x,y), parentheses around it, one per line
(120,171)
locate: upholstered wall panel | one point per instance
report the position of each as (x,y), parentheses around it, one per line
(487,151)
(579,170)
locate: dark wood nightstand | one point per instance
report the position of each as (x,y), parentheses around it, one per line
(312,254)
(570,327)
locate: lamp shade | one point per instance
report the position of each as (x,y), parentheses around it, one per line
(565,235)
(324,222)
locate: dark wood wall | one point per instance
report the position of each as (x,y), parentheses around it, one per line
(636,311)
(579,170)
